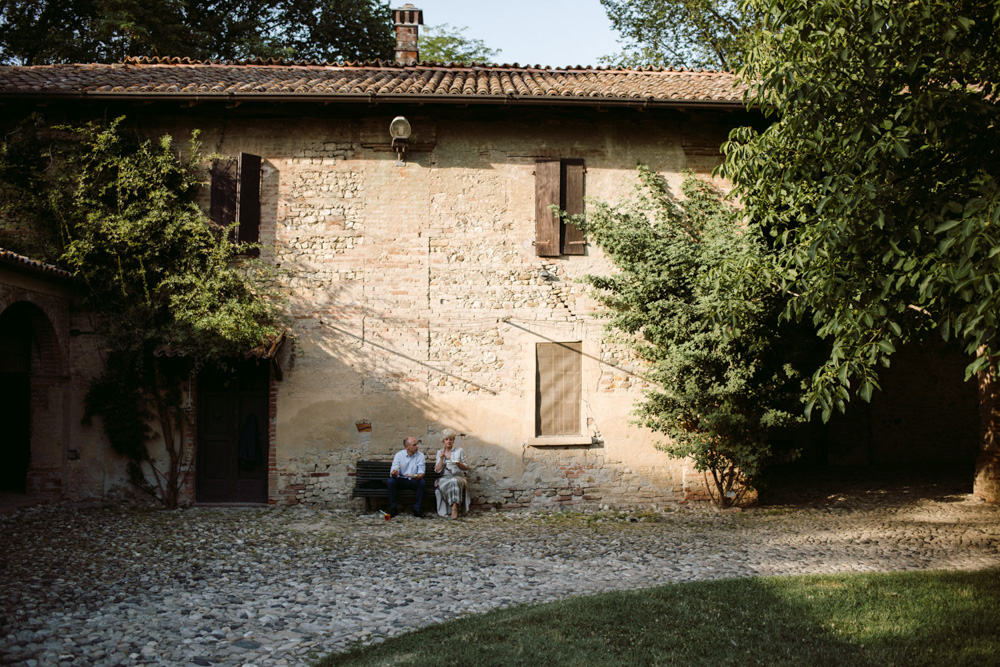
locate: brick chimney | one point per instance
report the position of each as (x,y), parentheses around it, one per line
(407,19)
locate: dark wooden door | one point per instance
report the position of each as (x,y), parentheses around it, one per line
(233,434)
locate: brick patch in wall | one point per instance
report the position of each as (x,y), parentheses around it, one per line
(320,477)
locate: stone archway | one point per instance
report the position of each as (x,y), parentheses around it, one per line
(31,402)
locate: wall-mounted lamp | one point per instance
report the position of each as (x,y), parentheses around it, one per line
(399,130)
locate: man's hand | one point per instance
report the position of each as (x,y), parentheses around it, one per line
(394,473)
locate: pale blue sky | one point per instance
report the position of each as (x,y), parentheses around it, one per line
(529,32)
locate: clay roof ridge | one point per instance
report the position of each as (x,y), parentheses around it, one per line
(248,62)
(388,64)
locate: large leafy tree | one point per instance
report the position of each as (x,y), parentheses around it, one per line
(682,33)
(445,44)
(159,277)
(36,32)
(690,299)
(878,180)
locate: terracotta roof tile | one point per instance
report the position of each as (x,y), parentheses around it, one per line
(275,79)
(33,265)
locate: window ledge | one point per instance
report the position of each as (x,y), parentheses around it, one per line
(562,440)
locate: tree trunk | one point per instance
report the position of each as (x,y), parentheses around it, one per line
(171,486)
(987,482)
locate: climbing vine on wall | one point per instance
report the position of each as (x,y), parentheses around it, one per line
(160,277)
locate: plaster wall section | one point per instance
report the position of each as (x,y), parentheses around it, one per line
(93,469)
(417,301)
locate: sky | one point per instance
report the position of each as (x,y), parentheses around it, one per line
(529,32)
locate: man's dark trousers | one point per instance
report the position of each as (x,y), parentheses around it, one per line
(416,485)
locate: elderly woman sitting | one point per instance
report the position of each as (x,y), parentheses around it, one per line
(452,488)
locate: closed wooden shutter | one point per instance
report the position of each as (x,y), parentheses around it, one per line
(558,388)
(547,181)
(573,242)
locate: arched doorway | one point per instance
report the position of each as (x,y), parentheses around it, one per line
(31,402)
(16,341)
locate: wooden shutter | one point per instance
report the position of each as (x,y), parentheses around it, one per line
(547,177)
(558,388)
(249,199)
(573,242)
(222,207)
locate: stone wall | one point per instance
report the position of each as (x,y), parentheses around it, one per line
(568,476)
(417,300)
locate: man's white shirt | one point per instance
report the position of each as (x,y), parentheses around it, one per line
(409,466)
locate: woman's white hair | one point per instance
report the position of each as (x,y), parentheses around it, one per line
(447,433)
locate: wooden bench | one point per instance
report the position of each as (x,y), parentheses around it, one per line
(370,482)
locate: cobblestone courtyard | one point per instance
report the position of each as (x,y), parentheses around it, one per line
(127,586)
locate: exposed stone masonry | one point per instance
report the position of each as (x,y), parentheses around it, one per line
(422,285)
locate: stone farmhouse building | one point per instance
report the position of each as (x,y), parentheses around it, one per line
(429,284)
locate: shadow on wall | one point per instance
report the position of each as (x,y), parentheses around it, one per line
(355,387)
(351,395)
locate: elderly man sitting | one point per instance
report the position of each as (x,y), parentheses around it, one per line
(407,472)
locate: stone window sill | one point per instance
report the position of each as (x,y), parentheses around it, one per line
(561,440)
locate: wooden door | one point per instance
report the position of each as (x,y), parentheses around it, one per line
(233,442)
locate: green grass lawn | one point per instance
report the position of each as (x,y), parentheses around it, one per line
(917,618)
